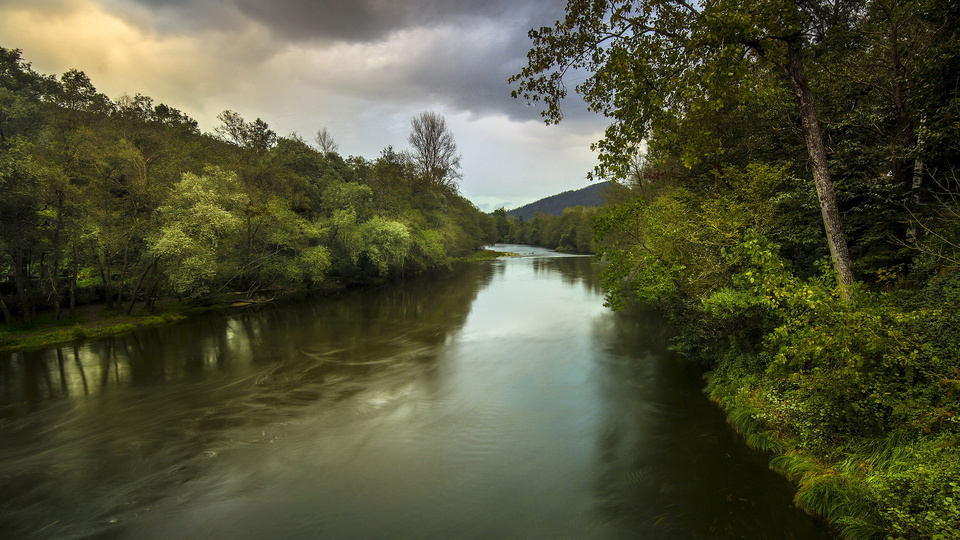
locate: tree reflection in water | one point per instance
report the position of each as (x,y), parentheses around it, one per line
(497,400)
(167,399)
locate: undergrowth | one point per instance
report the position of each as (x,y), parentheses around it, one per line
(858,401)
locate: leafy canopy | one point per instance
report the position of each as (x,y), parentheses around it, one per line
(647,62)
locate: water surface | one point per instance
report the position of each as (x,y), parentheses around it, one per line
(499,400)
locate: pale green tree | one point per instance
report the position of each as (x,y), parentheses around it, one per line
(195,226)
(386,243)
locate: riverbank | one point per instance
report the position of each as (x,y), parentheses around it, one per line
(97,320)
(857,402)
(91,322)
(355,414)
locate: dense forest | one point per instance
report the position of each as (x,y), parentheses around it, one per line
(562,222)
(127,203)
(571,231)
(789,194)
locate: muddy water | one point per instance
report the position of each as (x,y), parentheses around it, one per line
(500,400)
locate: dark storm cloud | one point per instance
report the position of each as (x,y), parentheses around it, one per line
(473,76)
(345,20)
(357,20)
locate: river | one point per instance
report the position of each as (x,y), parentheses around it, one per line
(498,400)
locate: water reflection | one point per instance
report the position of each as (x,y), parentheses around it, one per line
(501,400)
(425,312)
(100,430)
(665,433)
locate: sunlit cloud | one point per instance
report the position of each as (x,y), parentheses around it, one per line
(207,56)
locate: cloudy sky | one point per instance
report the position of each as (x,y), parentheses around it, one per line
(361,68)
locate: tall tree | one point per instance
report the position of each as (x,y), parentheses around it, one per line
(434,150)
(326,142)
(648,59)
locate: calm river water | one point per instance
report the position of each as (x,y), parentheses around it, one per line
(501,400)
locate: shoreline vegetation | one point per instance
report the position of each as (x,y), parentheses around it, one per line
(97,321)
(125,203)
(787,192)
(81,329)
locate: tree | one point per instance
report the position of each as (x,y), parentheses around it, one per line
(326,142)
(256,135)
(200,217)
(77,93)
(435,151)
(21,90)
(650,59)
(386,243)
(502,224)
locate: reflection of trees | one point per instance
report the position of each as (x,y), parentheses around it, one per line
(669,465)
(423,310)
(146,411)
(574,270)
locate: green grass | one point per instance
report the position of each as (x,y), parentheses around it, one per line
(747,423)
(23,337)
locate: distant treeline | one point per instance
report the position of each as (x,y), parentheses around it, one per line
(127,202)
(570,231)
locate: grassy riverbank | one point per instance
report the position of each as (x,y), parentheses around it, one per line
(91,322)
(859,401)
(487,255)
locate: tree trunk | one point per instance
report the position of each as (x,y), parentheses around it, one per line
(104,268)
(136,289)
(7,318)
(73,284)
(123,272)
(915,199)
(53,272)
(793,71)
(24,292)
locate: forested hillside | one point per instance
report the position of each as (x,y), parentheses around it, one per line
(554,205)
(126,202)
(793,202)
(563,221)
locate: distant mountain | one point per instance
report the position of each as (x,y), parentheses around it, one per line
(554,204)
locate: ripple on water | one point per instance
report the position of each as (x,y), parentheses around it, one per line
(499,403)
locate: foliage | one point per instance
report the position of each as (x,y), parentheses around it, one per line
(386,243)
(126,202)
(570,232)
(201,216)
(849,386)
(717,221)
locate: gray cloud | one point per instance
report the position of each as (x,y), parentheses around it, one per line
(362,68)
(474,77)
(468,76)
(341,20)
